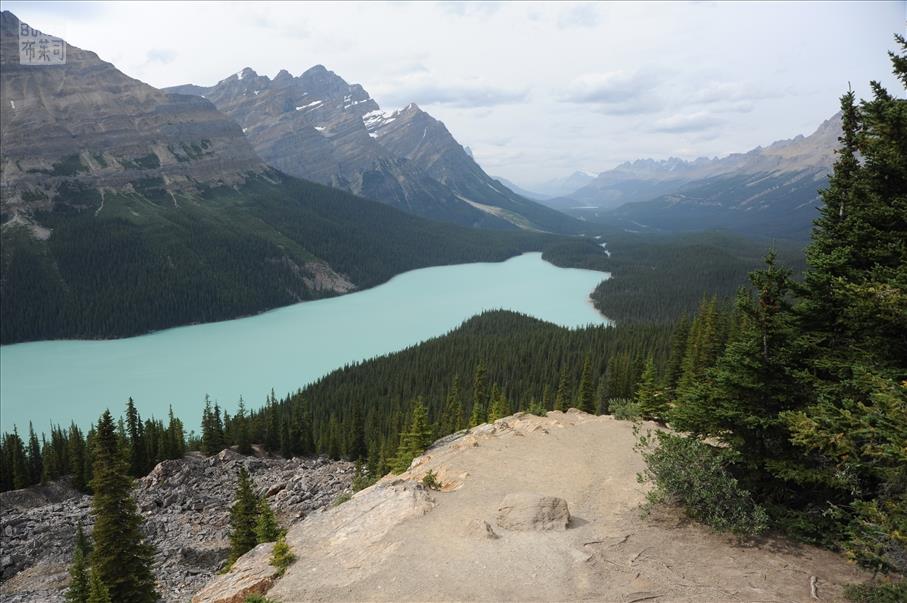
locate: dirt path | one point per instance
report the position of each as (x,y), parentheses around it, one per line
(398,543)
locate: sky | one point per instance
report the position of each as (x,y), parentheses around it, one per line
(536,90)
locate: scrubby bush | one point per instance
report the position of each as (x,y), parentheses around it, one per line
(877,592)
(282,556)
(624,409)
(694,475)
(430,481)
(341,498)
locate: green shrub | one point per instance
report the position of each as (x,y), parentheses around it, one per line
(877,592)
(430,481)
(282,557)
(258,599)
(692,474)
(362,477)
(341,498)
(623,408)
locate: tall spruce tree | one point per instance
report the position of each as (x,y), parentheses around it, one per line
(97,590)
(650,397)
(121,557)
(243,517)
(499,407)
(585,390)
(138,461)
(479,395)
(35,462)
(741,399)
(854,317)
(415,439)
(79,570)
(451,419)
(266,527)
(562,395)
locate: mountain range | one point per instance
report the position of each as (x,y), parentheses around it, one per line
(318,127)
(556,187)
(770,191)
(127,209)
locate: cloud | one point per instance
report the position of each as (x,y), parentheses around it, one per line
(469,9)
(687,122)
(730,97)
(616,92)
(161,55)
(579,15)
(423,89)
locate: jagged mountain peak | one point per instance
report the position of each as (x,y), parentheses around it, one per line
(319,127)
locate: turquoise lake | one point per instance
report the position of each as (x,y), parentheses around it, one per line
(284,349)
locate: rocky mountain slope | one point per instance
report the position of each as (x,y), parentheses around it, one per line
(85,125)
(185,505)
(318,127)
(527,509)
(769,190)
(126,209)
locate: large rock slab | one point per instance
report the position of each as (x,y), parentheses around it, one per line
(252,574)
(527,511)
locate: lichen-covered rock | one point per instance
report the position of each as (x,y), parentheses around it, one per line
(252,574)
(185,504)
(526,511)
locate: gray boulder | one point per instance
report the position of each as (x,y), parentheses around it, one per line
(527,511)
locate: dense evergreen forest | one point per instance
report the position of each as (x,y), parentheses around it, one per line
(143,264)
(797,390)
(657,278)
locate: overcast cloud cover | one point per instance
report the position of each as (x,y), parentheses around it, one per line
(536,90)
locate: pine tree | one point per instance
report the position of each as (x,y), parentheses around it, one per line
(451,419)
(138,462)
(674,368)
(78,458)
(121,557)
(563,391)
(35,462)
(357,449)
(97,590)
(479,395)
(266,527)
(79,588)
(853,315)
(601,400)
(741,399)
(649,398)
(499,407)
(477,416)
(176,440)
(415,439)
(243,518)
(584,392)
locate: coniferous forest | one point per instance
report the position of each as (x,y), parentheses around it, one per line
(796,382)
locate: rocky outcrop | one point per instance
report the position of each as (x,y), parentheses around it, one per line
(85,126)
(526,511)
(398,541)
(252,574)
(185,504)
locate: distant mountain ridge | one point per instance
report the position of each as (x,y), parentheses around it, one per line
(769,190)
(319,127)
(557,187)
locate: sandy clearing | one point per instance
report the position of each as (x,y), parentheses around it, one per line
(397,542)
